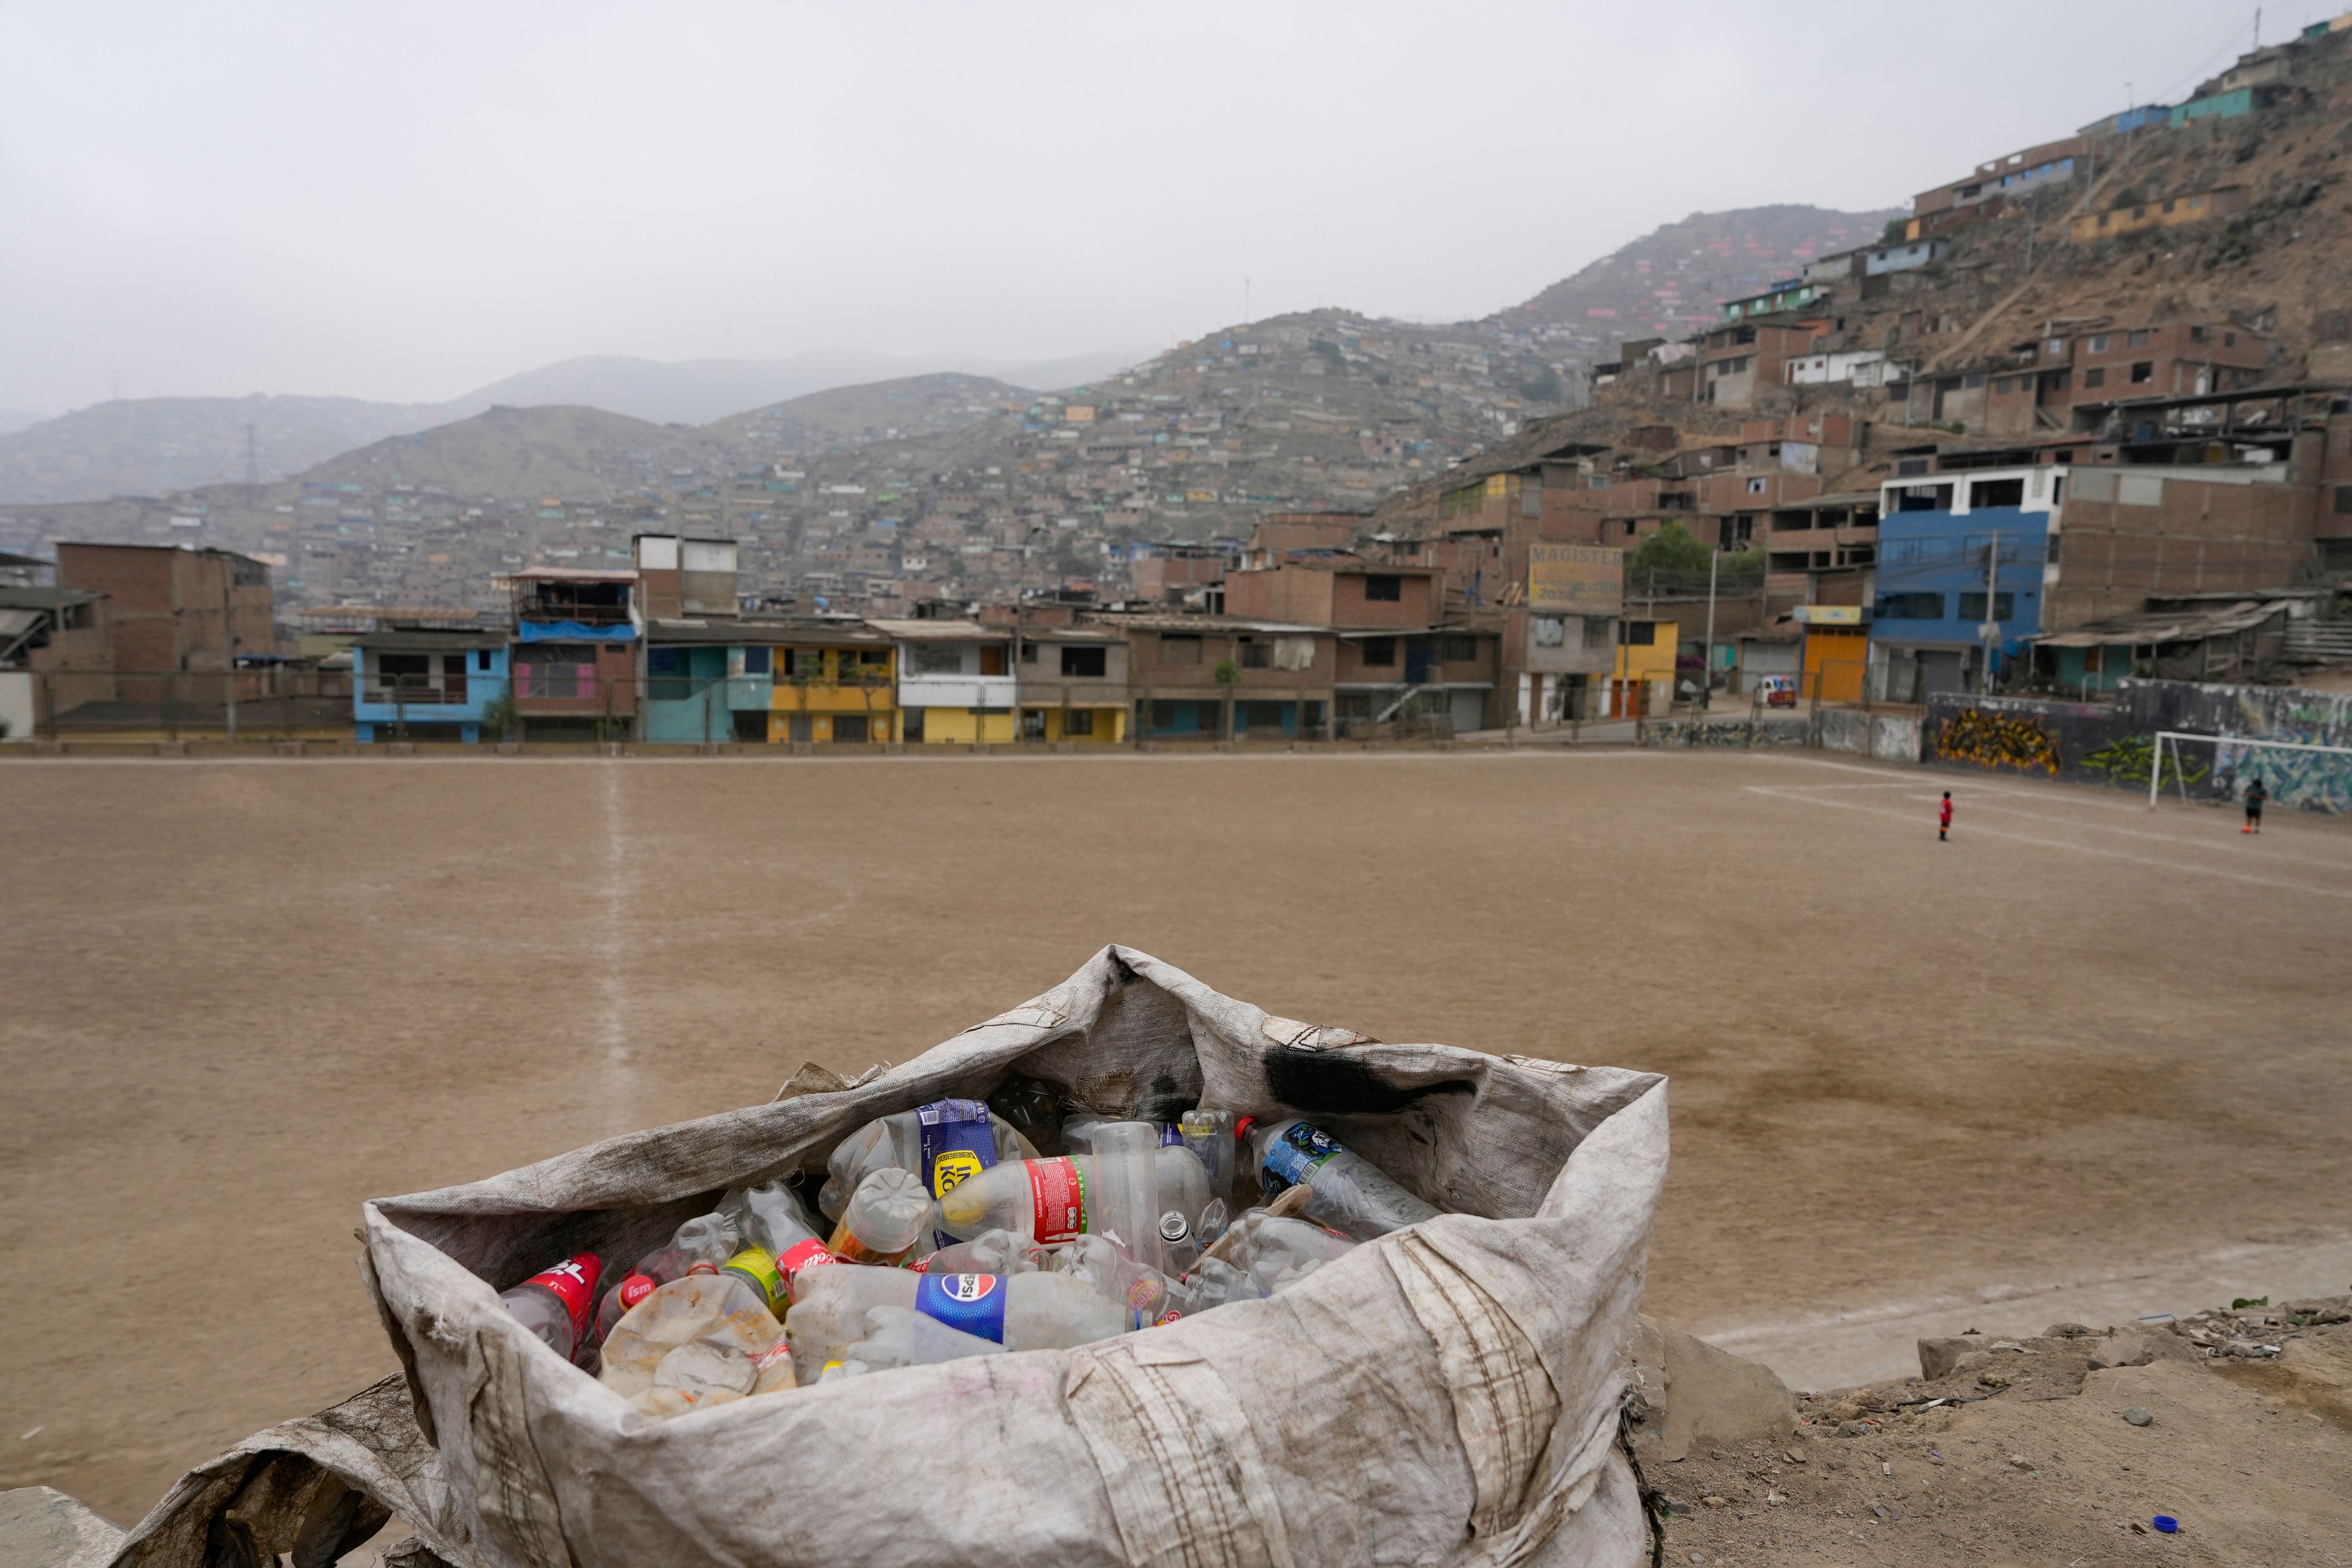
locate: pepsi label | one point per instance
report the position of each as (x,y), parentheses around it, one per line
(973,1302)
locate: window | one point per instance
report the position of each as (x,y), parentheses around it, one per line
(1029,653)
(758,660)
(931,658)
(1163,714)
(1384,588)
(2196,334)
(910,726)
(2228,340)
(2344,500)
(1078,722)
(1632,526)
(850,729)
(1641,634)
(1924,498)
(1910,608)
(1257,654)
(1181,648)
(2099,343)
(2094,376)
(1379,653)
(665,661)
(1975,378)
(481,658)
(1757,485)
(2138,337)
(1551,631)
(1995,493)
(993,658)
(1455,647)
(2143,369)
(1598,632)
(1089,663)
(2004,605)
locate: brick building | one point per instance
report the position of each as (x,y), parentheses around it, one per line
(171,612)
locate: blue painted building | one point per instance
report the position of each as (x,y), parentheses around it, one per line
(416,684)
(1938,536)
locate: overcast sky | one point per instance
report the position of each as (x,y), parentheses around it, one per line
(408,200)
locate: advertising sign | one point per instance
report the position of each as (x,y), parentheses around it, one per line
(1581,579)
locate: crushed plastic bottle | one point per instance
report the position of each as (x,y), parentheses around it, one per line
(1278,1253)
(707,1339)
(1139,1288)
(901,1336)
(1348,1192)
(1020,1312)
(553,1304)
(990,1252)
(1209,1134)
(944,1142)
(884,1219)
(705,1241)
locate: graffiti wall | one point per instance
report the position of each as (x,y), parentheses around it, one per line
(1738,734)
(2115,745)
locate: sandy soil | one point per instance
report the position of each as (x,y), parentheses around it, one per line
(240,997)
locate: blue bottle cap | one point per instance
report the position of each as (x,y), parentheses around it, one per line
(2165,1523)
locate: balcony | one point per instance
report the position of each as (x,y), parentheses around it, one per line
(957,690)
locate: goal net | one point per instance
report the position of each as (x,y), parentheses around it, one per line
(2293,773)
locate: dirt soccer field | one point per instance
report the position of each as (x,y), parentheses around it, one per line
(2080,1049)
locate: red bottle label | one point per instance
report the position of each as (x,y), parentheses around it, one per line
(1057,1193)
(795,1259)
(573,1283)
(636,1288)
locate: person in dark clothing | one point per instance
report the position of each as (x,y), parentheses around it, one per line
(1944,820)
(2255,795)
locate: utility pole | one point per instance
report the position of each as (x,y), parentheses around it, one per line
(1706,648)
(252,460)
(1991,627)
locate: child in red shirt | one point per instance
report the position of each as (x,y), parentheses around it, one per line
(1944,820)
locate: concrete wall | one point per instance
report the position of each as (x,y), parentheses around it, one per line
(2115,745)
(1888,737)
(16,712)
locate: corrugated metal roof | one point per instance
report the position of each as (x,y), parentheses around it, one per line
(941,631)
(2168,626)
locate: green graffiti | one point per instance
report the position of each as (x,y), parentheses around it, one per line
(2130,760)
(1997,741)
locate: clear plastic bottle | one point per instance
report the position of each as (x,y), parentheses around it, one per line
(942,1143)
(1139,1288)
(990,1252)
(884,1217)
(901,1336)
(707,1339)
(1020,1312)
(1210,1135)
(554,1305)
(1277,1253)
(1348,1192)
(771,1214)
(1050,1201)
(706,1240)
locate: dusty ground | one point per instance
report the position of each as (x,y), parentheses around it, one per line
(241,998)
(2050,1460)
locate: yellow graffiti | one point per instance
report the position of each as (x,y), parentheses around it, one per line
(1997,741)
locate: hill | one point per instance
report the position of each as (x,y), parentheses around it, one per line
(530,454)
(1668,282)
(844,416)
(696,392)
(149,446)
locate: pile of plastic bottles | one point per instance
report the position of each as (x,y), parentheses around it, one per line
(962,1239)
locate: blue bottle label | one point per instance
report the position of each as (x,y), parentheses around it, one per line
(973,1302)
(1293,1157)
(959,1144)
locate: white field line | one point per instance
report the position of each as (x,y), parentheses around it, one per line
(611,948)
(1916,820)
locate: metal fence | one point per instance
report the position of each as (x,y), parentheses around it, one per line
(264,701)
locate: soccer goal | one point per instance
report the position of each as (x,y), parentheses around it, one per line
(2302,765)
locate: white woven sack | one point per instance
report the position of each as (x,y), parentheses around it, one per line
(1446,1394)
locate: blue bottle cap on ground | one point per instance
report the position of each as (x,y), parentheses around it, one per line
(2165,1523)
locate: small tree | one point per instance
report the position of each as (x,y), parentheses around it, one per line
(1895,231)
(1671,549)
(1229,675)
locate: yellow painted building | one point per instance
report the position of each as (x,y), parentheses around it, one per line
(835,694)
(1642,678)
(2165,213)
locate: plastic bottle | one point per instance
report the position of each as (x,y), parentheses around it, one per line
(1347,1193)
(1210,1135)
(554,1304)
(1050,1201)
(771,1214)
(901,1336)
(990,1252)
(884,1217)
(1278,1253)
(942,1143)
(1139,1288)
(705,1340)
(706,1240)
(1033,1109)
(1020,1312)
